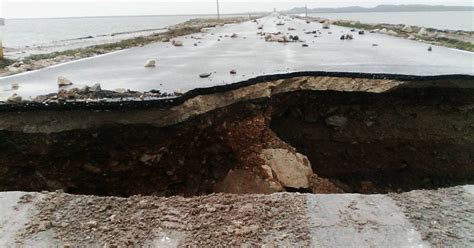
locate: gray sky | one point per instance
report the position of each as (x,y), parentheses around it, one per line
(73,8)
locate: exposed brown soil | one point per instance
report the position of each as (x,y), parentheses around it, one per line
(185,159)
(250,220)
(356,142)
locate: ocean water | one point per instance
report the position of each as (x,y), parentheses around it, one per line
(19,33)
(453,20)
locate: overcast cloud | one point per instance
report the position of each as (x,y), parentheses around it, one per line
(74,8)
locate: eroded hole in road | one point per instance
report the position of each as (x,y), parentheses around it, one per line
(355,142)
(378,143)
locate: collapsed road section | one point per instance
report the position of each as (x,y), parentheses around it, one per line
(305,132)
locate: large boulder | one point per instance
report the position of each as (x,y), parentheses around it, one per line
(291,169)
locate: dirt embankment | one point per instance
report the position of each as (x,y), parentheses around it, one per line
(307,134)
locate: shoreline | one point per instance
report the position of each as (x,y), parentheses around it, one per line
(457,39)
(33,62)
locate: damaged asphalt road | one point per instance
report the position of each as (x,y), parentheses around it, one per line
(193,169)
(217,52)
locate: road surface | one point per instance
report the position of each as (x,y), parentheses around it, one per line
(178,68)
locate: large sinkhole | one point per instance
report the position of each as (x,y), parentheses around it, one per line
(356,142)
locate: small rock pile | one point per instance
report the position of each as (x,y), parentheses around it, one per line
(96,92)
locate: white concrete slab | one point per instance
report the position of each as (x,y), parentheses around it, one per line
(359,221)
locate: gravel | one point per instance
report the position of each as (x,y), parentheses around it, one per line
(136,221)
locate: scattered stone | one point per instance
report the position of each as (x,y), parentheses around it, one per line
(347,37)
(233,72)
(44,225)
(121,90)
(375,45)
(247,229)
(233,36)
(305,45)
(422,32)
(391,32)
(430,49)
(96,88)
(178,93)
(92,169)
(276,38)
(260,27)
(361,32)
(294,38)
(280,24)
(440,36)
(62,81)
(205,75)
(91,224)
(177,43)
(337,121)
(14,99)
(326,25)
(150,63)
(407,29)
(291,29)
(15,86)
